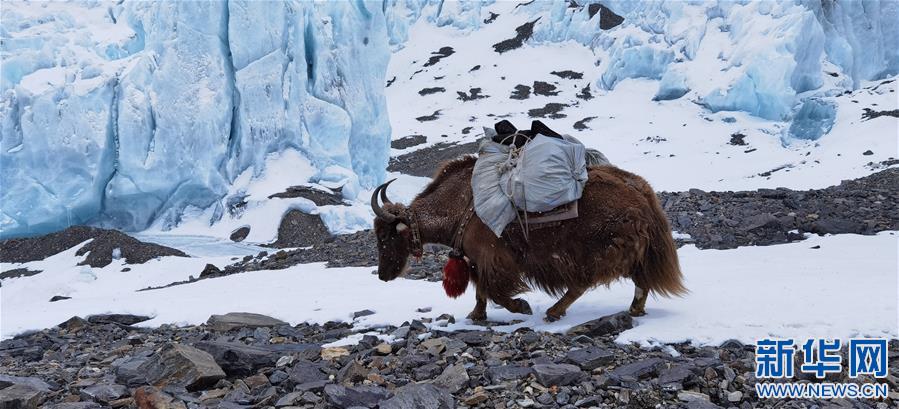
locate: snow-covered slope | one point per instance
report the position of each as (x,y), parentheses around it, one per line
(688,94)
(126,113)
(725,285)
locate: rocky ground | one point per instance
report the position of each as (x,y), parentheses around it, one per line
(249,361)
(241,360)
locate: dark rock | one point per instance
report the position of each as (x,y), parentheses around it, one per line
(545,89)
(128,370)
(607,18)
(476,338)
(557,374)
(521,92)
(473,94)
(243,360)
(314,386)
(732,344)
(427,118)
(305,372)
(319,196)
(638,369)
(868,152)
(20,397)
(608,325)
(408,141)
(210,271)
(522,34)
(590,358)
(426,161)
(74,405)
(18,272)
(432,90)
(104,393)
(31,382)
(120,319)
(56,298)
(737,139)
(415,396)
(568,74)
(582,124)
(676,375)
(871,114)
(182,365)
(454,378)
(99,251)
(235,320)
(364,396)
(585,93)
(836,226)
(298,229)
(498,374)
(240,234)
(550,110)
(352,373)
(363,313)
(438,55)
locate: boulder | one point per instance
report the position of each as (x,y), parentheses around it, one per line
(453,378)
(34,383)
(20,397)
(361,396)
(119,319)
(243,360)
(638,369)
(557,374)
(590,358)
(505,373)
(414,396)
(182,365)
(608,325)
(234,320)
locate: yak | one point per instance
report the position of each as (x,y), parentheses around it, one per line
(621,232)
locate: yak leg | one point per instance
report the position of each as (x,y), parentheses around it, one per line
(479,313)
(516,305)
(638,306)
(560,307)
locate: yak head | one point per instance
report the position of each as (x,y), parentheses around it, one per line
(393,233)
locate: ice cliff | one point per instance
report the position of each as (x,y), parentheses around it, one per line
(126,113)
(772,59)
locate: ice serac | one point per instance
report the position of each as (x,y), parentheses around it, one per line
(128,113)
(766,57)
(402,14)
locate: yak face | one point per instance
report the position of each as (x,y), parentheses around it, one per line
(394,245)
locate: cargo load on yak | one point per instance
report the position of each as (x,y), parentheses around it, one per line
(521,174)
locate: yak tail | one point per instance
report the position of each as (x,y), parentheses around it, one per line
(660,270)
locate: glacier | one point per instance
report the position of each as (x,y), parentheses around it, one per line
(127,113)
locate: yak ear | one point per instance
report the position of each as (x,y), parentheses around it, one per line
(401,227)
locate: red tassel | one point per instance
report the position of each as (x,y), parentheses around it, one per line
(456,274)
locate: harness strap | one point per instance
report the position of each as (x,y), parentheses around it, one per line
(460,231)
(417,247)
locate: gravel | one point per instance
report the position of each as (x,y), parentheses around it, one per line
(109,365)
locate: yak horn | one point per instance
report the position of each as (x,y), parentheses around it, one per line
(380,212)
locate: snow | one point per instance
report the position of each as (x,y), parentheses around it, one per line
(675,144)
(151,109)
(845,288)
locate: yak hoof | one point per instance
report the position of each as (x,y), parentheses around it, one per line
(523,307)
(636,313)
(477,316)
(551,318)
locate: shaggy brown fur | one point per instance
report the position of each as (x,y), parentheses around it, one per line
(621,232)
